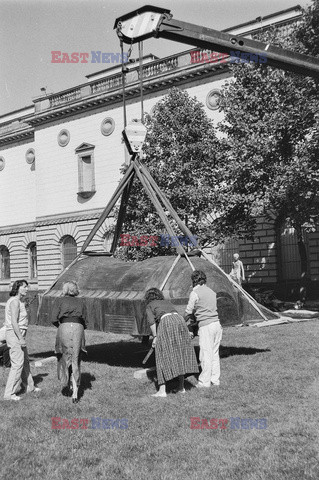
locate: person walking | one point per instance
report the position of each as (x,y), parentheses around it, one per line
(69,315)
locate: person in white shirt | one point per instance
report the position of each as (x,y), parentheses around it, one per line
(237,273)
(202,305)
(16,323)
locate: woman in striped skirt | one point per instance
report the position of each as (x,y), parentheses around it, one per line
(174,353)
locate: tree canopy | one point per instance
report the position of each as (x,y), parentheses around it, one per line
(269,156)
(179,153)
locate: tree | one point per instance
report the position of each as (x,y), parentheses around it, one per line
(308,32)
(269,157)
(179,153)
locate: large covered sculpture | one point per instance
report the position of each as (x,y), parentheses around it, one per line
(113,291)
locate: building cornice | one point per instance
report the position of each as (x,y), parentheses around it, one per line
(13,133)
(68,217)
(51,220)
(276,19)
(102,92)
(20,228)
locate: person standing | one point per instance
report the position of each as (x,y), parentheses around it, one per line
(16,323)
(174,353)
(237,273)
(69,315)
(202,305)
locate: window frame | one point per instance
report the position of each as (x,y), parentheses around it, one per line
(32,261)
(5,270)
(83,151)
(63,253)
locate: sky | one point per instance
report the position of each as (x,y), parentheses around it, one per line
(31,29)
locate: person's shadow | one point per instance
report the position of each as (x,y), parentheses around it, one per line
(38,379)
(131,354)
(224,352)
(86,383)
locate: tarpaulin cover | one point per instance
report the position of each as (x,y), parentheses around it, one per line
(114,290)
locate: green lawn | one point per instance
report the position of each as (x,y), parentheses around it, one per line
(269,373)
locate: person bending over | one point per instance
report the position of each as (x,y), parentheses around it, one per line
(174,353)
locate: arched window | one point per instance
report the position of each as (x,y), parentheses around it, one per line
(4,263)
(32,254)
(69,250)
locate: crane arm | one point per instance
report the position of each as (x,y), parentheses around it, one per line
(149,21)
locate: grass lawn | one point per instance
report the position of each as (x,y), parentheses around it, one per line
(268,373)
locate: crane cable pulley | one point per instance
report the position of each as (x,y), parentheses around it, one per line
(125,70)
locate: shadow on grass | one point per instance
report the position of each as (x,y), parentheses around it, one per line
(36,356)
(131,355)
(128,354)
(225,352)
(86,383)
(38,379)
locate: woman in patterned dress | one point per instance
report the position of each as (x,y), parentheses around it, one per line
(174,354)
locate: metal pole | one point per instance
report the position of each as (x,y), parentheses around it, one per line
(140,51)
(123,84)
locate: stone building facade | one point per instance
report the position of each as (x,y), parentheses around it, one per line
(60,162)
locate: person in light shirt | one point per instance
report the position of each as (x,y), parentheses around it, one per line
(202,306)
(16,323)
(237,273)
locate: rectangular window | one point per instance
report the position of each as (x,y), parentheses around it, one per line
(86,173)
(85,154)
